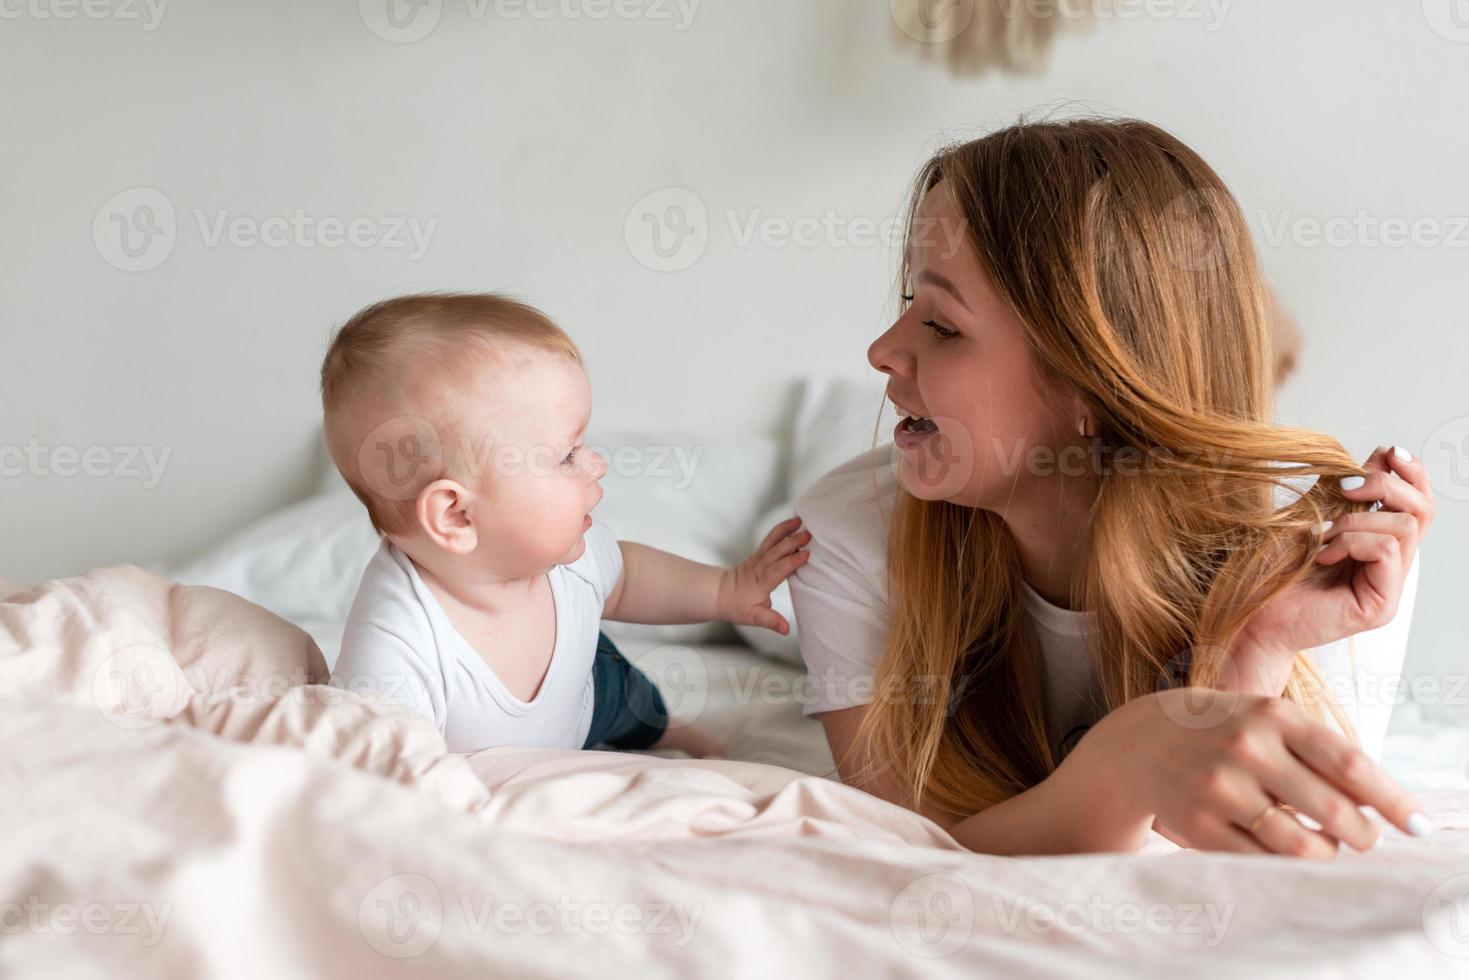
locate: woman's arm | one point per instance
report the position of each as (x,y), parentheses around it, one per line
(1211,767)
(1068,813)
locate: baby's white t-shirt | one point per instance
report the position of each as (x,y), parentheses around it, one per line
(399,643)
(840,598)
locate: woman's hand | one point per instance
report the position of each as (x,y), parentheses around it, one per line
(1346,597)
(1212,768)
(744,590)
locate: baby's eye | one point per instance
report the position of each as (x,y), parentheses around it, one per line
(571,456)
(941,331)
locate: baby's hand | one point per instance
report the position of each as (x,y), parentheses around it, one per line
(744,591)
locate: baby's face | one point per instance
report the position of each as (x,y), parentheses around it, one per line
(533,477)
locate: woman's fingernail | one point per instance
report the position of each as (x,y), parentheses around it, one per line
(1403,456)
(1419,825)
(1323,527)
(1350,483)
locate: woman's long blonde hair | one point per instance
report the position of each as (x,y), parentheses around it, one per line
(1130,266)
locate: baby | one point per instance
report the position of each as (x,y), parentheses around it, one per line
(458,420)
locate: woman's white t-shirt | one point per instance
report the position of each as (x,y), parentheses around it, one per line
(840,598)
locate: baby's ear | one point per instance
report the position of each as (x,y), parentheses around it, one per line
(442,509)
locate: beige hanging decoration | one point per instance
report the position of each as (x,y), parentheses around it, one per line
(975,36)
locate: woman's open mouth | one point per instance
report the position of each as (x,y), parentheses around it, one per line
(912,431)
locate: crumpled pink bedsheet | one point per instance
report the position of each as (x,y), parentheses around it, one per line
(181,795)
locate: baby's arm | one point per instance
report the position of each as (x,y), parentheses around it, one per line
(657,587)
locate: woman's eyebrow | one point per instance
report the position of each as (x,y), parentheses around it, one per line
(943,282)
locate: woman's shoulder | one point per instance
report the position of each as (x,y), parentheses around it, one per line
(864,484)
(840,593)
(848,508)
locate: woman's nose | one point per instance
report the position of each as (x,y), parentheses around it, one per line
(885,354)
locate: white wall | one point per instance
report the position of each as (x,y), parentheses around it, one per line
(529,141)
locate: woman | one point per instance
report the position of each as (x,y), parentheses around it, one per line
(1083,606)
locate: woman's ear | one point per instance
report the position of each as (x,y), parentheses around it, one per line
(443,515)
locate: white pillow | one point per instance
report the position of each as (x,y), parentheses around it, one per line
(837,418)
(302,563)
(695,496)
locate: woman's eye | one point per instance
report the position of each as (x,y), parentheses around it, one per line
(940,331)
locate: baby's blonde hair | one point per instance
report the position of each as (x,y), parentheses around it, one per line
(391,372)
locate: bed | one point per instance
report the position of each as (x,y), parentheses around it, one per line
(183,795)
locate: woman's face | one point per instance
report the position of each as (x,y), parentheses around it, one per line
(957,360)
